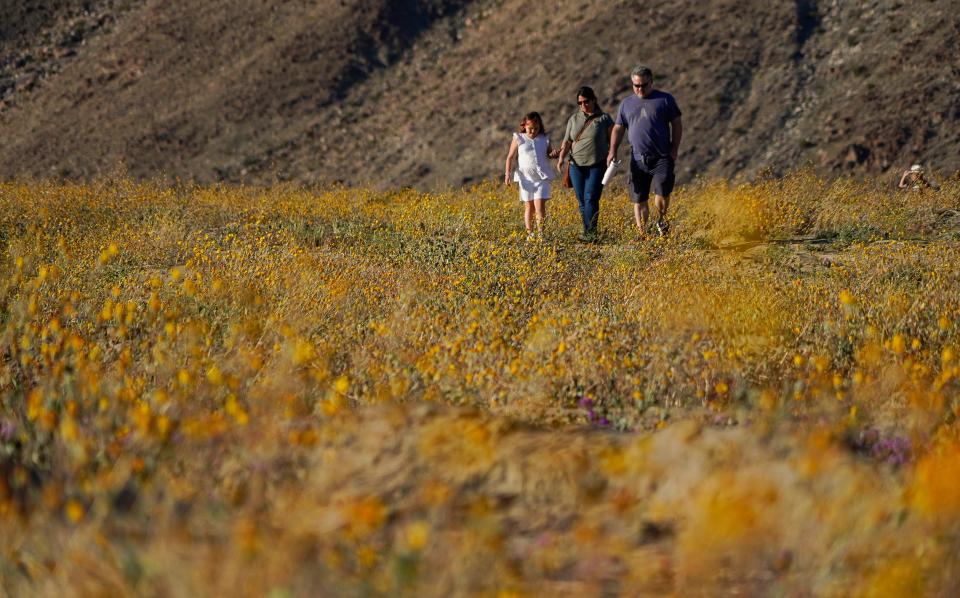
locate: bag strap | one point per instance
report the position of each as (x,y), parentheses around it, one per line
(580,133)
(584,127)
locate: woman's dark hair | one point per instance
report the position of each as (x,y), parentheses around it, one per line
(534,116)
(587,92)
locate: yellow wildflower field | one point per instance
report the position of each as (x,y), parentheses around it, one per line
(293,391)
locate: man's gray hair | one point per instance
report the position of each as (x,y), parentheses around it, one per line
(643,72)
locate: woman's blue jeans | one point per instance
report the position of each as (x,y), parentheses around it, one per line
(587,186)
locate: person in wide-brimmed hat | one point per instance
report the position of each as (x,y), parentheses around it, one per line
(914,177)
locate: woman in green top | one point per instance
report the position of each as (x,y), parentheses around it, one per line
(587,141)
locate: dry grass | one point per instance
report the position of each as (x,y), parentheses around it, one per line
(296,391)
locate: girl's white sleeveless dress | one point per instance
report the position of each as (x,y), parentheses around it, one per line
(534,171)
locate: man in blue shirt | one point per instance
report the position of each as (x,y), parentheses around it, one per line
(652,120)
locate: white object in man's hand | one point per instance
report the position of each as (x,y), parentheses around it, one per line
(611,170)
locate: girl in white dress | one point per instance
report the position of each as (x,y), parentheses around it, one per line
(531,147)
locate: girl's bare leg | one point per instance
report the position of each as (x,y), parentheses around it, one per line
(541,209)
(528,212)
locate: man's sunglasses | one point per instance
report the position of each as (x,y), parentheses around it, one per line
(584,102)
(641,85)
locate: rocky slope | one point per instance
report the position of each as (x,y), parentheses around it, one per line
(425,92)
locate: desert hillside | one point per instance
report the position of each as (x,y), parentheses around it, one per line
(424,92)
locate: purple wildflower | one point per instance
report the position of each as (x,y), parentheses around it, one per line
(895,450)
(7,430)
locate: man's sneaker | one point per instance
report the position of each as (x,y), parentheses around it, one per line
(663,228)
(530,236)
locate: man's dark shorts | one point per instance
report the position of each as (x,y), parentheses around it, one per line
(659,174)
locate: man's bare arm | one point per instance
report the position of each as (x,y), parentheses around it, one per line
(676,134)
(615,138)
